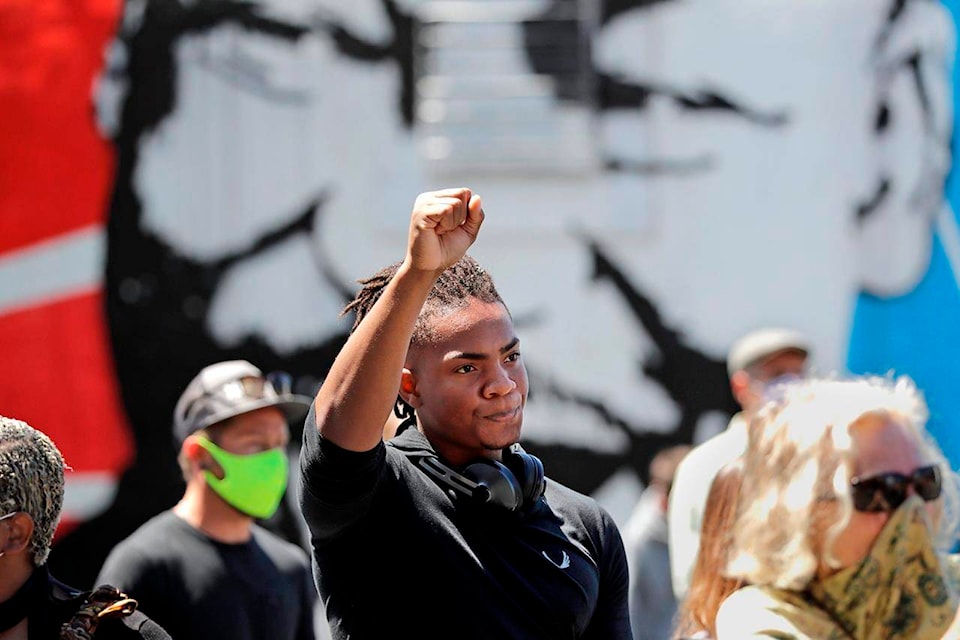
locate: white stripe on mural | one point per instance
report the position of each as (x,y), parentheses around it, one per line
(87,494)
(67,264)
(949,231)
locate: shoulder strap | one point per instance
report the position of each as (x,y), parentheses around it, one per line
(147,628)
(103,602)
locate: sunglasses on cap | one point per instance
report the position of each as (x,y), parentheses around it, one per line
(885,492)
(271,387)
(252,388)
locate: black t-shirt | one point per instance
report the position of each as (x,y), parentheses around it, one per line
(395,556)
(197,588)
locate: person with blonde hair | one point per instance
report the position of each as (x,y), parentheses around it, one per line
(759,359)
(696,618)
(846,510)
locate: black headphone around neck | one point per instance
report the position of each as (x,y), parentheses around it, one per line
(513,484)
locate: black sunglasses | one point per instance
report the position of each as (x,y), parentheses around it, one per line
(887,491)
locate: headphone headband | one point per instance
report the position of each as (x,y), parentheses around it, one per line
(514,485)
(450,479)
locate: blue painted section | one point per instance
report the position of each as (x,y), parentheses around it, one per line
(919,334)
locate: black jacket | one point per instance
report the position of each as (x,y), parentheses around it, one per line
(48,604)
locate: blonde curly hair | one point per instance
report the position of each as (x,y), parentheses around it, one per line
(31,480)
(799,456)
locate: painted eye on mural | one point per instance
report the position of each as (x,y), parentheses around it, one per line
(278,68)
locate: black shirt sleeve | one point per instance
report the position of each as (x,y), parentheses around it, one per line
(337,486)
(143,627)
(305,628)
(611,619)
(136,576)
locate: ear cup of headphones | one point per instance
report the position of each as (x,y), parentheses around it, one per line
(500,484)
(529,471)
(515,483)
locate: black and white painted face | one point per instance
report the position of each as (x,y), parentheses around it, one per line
(821,132)
(757,164)
(763,165)
(227,123)
(243,152)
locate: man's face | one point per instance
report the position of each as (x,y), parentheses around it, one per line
(254,432)
(16,532)
(5,531)
(469,383)
(780,367)
(880,445)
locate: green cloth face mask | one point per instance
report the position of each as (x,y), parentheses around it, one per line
(252,484)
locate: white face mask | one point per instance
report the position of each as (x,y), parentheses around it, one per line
(2,518)
(774,388)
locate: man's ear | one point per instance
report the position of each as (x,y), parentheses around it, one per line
(408,388)
(200,457)
(192,450)
(21,531)
(740,386)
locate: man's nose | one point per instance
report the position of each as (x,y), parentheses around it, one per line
(501,383)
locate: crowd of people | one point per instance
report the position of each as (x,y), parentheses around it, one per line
(824,510)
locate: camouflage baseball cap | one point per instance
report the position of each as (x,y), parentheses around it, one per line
(227,389)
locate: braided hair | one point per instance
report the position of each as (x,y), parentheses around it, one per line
(31,480)
(461,282)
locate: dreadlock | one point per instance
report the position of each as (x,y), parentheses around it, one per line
(456,286)
(461,282)
(31,480)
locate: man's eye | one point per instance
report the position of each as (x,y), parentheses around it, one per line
(513,357)
(467,368)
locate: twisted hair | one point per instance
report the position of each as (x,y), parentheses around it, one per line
(457,285)
(31,480)
(461,282)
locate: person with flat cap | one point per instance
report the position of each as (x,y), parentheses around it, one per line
(755,363)
(205,569)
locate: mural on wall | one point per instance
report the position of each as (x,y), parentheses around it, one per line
(919,333)
(56,171)
(695,168)
(755,166)
(767,166)
(220,114)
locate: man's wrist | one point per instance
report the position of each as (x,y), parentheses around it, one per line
(408,271)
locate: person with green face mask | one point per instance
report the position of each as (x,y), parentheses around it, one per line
(206,567)
(847,512)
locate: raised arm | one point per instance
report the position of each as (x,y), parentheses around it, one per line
(359,391)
